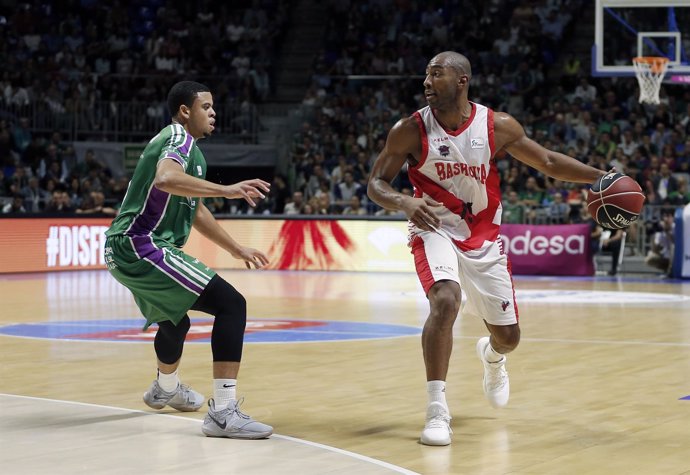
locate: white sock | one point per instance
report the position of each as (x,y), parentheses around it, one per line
(491,355)
(168,382)
(223,392)
(436,392)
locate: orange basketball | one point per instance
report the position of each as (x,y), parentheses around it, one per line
(615,201)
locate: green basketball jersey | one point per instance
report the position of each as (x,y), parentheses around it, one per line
(148,211)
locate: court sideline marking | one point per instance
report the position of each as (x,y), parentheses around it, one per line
(357,456)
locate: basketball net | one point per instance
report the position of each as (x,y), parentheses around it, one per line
(650,72)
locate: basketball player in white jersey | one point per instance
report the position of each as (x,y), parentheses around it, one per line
(454,218)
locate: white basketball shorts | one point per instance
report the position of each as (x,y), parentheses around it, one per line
(483,275)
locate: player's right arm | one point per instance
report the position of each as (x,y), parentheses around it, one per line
(402,143)
(171,178)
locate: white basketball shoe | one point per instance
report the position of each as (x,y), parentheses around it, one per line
(496,382)
(437,428)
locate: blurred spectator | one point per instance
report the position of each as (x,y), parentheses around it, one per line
(296,205)
(60,202)
(35,198)
(308,209)
(558,211)
(355,207)
(21,135)
(323,204)
(661,247)
(571,69)
(532,197)
(608,241)
(315,180)
(585,91)
(261,82)
(681,196)
(660,137)
(279,195)
(95,204)
(15,206)
(346,189)
(605,147)
(665,184)
(628,144)
(20,179)
(513,210)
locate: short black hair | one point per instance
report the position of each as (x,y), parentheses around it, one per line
(184,92)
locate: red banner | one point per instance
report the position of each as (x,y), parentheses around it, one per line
(549,249)
(47,244)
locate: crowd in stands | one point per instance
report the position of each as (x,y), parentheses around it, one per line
(98,60)
(40,175)
(597,121)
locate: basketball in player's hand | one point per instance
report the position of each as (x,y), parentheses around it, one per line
(615,200)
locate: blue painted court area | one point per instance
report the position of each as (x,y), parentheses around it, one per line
(258,331)
(686,398)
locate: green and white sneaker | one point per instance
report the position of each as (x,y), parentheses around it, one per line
(232,423)
(183,399)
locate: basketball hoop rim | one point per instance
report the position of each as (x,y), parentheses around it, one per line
(655,64)
(659,60)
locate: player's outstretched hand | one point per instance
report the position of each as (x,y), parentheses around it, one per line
(252,256)
(248,190)
(422,213)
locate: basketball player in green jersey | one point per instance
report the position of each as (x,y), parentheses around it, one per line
(143,252)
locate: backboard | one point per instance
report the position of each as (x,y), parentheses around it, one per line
(625,29)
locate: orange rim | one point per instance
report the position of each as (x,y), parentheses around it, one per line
(657,64)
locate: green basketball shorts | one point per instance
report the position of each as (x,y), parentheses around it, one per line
(164,280)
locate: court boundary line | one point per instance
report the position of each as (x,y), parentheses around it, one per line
(318,445)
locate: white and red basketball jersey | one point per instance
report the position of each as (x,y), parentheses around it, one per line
(457,169)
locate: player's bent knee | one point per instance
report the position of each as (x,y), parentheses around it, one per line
(236,302)
(507,337)
(233,310)
(169,340)
(221,298)
(445,298)
(183,327)
(229,307)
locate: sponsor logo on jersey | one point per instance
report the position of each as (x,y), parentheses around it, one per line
(446,268)
(448,170)
(444,150)
(477,143)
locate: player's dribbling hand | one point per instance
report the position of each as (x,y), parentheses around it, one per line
(252,256)
(421,212)
(248,190)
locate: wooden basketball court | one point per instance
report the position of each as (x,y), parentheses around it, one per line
(597,383)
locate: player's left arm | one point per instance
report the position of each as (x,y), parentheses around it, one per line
(207,225)
(509,135)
